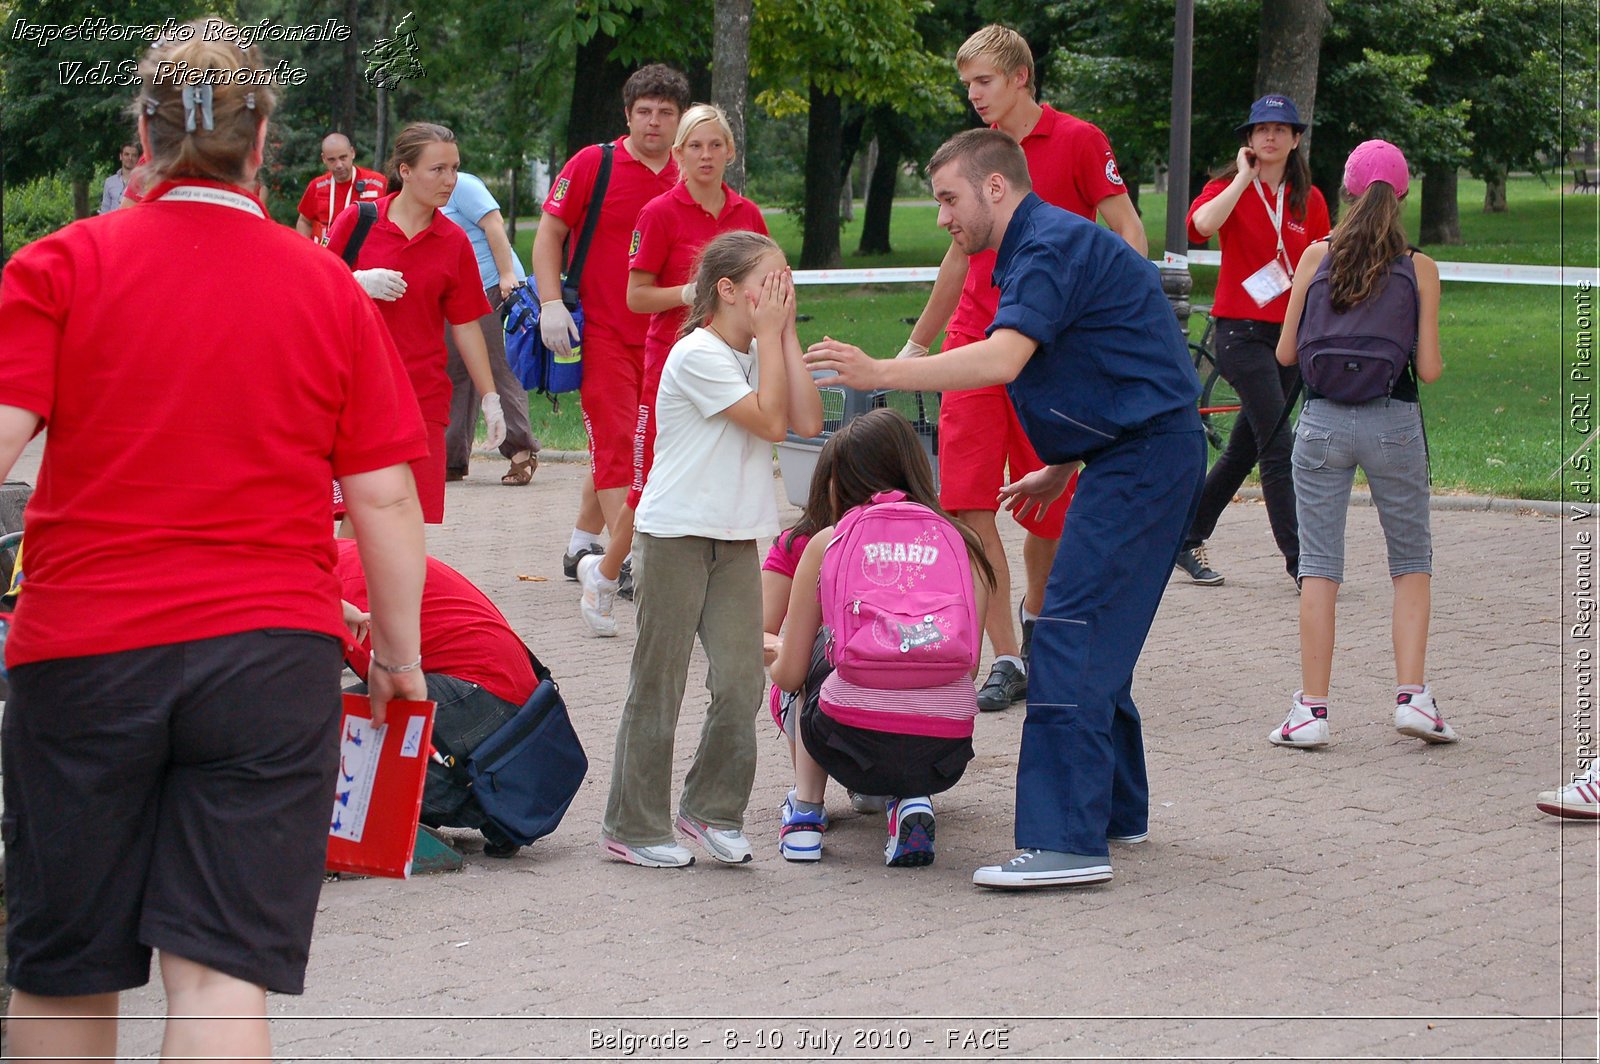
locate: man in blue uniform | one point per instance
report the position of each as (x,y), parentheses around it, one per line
(1093,359)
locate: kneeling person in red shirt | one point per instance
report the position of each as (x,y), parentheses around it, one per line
(477,669)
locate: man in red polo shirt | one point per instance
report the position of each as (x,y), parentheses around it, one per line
(653,99)
(980,439)
(326,197)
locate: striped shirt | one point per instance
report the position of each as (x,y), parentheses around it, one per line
(942,712)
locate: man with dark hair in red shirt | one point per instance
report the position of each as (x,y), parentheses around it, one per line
(653,99)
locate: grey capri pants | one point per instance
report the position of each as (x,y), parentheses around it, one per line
(1384,437)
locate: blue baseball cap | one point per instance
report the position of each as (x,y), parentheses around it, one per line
(1274,107)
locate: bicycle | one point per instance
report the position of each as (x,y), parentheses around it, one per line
(1218,401)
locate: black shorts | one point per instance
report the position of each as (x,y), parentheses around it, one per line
(875,762)
(173,798)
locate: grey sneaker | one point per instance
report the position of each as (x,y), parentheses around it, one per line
(727,845)
(625,581)
(667,855)
(1044,868)
(869,803)
(569,562)
(1192,560)
(1006,684)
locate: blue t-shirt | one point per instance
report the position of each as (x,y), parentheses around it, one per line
(469,202)
(1110,354)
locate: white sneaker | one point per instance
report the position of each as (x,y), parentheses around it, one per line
(727,845)
(1417,716)
(666,855)
(1579,800)
(1303,727)
(599,597)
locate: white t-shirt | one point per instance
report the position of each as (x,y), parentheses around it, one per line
(710,478)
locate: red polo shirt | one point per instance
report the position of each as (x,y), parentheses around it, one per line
(442,285)
(671,230)
(1071,165)
(196,416)
(1248,242)
(603,288)
(323,200)
(463,634)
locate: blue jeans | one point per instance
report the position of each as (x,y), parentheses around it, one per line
(1081,773)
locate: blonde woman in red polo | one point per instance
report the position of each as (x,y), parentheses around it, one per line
(440,287)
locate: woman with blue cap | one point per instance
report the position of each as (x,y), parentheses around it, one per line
(1265,213)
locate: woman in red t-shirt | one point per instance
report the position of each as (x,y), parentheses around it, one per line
(1265,213)
(667,239)
(420,267)
(172,734)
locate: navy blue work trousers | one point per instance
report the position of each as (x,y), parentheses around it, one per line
(1081,773)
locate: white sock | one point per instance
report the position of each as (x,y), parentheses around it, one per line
(1014,661)
(581,539)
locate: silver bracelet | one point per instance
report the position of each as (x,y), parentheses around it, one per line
(412,667)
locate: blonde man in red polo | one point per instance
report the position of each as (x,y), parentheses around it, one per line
(981,440)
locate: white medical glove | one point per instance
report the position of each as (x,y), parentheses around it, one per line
(557,328)
(494,419)
(912,350)
(387,285)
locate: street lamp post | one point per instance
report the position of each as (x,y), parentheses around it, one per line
(1175,280)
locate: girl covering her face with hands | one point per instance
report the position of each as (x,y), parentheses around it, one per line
(733,385)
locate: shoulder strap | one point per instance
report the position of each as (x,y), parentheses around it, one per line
(366,214)
(591,218)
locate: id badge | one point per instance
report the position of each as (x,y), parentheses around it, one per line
(1267,283)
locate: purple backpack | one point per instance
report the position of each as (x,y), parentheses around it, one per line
(1358,354)
(896,591)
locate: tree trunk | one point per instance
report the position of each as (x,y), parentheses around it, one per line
(380,141)
(880,199)
(1494,195)
(730,76)
(349,85)
(1441,219)
(511,204)
(80,197)
(1291,41)
(1133,192)
(597,81)
(819,248)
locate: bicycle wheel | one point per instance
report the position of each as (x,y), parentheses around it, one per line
(1219,405)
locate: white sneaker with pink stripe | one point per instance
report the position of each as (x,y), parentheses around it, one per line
(1579,800)
(1304,727)
(1417,716)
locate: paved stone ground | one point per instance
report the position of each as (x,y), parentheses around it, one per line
(1378,900)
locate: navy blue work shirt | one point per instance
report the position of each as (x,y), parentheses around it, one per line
(1110,357)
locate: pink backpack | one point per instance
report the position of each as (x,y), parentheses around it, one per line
(896,592)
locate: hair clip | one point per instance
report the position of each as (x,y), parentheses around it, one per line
(250,100)
(193,94)
(151,106)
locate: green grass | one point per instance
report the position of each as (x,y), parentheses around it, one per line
(1494,418)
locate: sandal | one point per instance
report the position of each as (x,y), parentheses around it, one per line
(521,471)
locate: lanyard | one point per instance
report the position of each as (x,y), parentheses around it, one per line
(333,184)
(217,196)
(1275,216)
